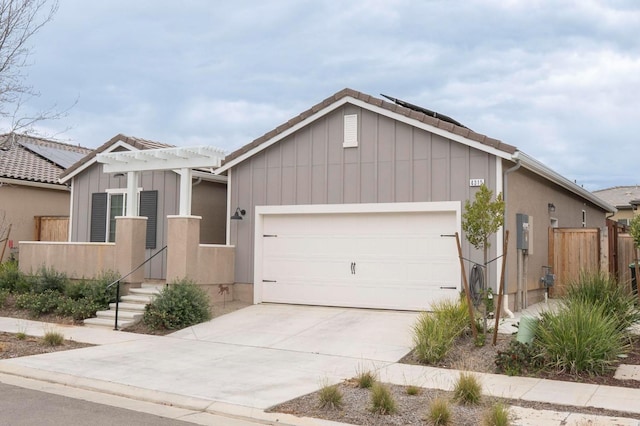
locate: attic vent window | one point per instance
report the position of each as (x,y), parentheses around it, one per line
(350,131)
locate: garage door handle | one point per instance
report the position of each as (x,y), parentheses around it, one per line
(353,268)
(448,288)
(268,281)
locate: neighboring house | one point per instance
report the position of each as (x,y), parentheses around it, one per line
(97,198)
(29,187)
(625,198)
(355,202)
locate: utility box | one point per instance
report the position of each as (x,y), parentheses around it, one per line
(522,231)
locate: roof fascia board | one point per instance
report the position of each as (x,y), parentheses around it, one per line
(208,176)
(337,104)
(540,169)
(43,185)
(370,107)
(118,144)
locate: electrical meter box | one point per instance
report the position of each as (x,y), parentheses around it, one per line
(522,234)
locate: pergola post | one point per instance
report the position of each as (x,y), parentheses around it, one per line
(185,192)
(132,193)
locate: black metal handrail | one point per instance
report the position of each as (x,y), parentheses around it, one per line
(115,327)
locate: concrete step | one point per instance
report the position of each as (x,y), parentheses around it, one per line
(147,291)
(107,323)
(125,315)
(131,307)
(136,298)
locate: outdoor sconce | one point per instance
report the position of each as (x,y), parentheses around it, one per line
(552,207)
(238,214)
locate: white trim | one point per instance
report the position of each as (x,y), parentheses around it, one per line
(208,176)
(71,213)
(370,107)
(42,185)
(229,187)
(500,234)
(161,159)
(118,144)
(544,171)
(262,211)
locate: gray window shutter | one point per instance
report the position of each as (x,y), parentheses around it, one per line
(149,208)
(98,217)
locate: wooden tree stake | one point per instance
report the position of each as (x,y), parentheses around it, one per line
(466,290)
(501,289)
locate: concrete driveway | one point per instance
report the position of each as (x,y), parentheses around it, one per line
(254,357)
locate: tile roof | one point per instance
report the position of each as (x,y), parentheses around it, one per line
(411,113)
(620,196)
(138,143)
(35,159)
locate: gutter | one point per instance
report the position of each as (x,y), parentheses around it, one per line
(542,170)
(43,185)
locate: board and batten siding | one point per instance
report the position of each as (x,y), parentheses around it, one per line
(94,180)
(393,162)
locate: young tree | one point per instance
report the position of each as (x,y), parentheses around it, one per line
(634,231)
(482,218)
(19,21)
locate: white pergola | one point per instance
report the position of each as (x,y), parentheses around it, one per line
(181,160)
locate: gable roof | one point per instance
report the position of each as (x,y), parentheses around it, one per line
(33,159)
(415,116)
(118,140)
(369,102)
(620,196)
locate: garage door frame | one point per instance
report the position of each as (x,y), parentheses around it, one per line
(263,211)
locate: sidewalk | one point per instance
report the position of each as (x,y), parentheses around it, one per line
(39,369)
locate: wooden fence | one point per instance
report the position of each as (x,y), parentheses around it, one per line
(626,254)
(572,251)
(51,228)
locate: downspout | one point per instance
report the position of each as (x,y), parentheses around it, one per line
(505,305)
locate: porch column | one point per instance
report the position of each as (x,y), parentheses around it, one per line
(130,247)
(185,192)
(132,193)
(183,241)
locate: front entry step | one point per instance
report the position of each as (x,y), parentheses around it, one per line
(130,309)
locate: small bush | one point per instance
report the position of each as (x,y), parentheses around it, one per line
(413,390)
(497,415)
(382,401)
(179,305)
(365,379)
(467,389)
(4,294)
(21,335)
(11,278)
(439,413)
(581,338)
(94,291)
(519,359)
(434,333)
(53,338)
(330,397)
(598,289)
(77,309)
(39,303)
(48,279)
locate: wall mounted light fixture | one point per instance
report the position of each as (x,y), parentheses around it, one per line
(551,207)
(238,214)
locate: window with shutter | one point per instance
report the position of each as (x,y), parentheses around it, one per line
(98,230)
(149,209)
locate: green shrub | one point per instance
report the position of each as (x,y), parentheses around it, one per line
(581,338)
(382,401)
(365,379)
(53,338)
(497,415)
(48,279)
(4,293)
(330,397)
(413,390)
(601,289)
(94,291)
(179,305)
(519,359)
(39,303)
(439,413)
(434,333)
(467,389)
(77,309)
(12,279)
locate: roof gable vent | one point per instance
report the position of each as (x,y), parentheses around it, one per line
(350,131)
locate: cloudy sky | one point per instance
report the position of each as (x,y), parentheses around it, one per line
(558,79)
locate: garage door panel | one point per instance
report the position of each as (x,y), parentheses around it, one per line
(373,260)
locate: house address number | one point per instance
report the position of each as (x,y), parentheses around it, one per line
(476,182)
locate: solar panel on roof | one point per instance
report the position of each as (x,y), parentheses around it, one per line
(63,158)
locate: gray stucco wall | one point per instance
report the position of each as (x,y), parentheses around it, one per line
(394,162)
(528,193)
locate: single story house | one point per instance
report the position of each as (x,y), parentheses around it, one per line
(97,198)
(625,198)
(30,190)
(356,201)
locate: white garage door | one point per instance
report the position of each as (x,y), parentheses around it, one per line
(391,260)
